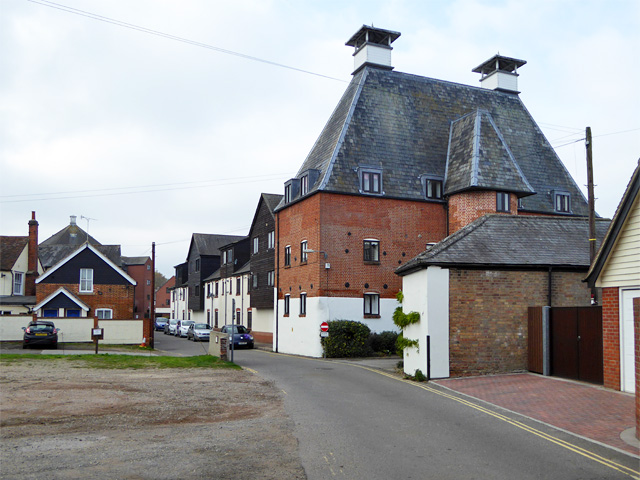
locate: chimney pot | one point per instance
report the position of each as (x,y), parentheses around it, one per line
(372,47)
(72,220)
(500,73)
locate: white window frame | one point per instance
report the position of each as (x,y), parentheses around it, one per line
(271,275)
(371,181)
(562,202)
(287,256)
(19,284)
(271,239)
(371,304)
(256,244)
(100,313)
(375,252)
(304,184)
(287,303)
(303,303)
(86,280)
(303,251)
(503,202)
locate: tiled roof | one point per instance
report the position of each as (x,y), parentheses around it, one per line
(10,250)
(513,241)
(401,124)
(134,260)
(271,200)
(209,244)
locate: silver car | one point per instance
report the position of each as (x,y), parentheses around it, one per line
(171,327)
(199,332)
(183,327)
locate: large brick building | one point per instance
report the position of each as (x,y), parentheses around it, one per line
(403,162)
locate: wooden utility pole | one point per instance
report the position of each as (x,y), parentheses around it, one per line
(592,209)
(152,308)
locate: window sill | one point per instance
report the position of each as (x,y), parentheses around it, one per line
(303,263)
(372,262)
(302,315)
(366,315)
(285,315)
(287,266)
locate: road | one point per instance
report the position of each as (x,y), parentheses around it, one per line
(356,423)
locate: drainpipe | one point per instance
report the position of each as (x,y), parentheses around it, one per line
(549,293)
(277,275)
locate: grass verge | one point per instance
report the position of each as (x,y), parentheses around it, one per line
(121,361)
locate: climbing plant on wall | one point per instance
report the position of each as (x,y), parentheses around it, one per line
(403,320)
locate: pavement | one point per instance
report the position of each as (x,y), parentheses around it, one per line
(589,411)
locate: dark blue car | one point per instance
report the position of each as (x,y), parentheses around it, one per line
(241,336)
(160,323)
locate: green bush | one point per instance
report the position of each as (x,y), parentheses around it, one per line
(347,339)
(419,376)
(383,342)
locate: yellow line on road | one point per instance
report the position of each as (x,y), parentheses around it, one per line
(562,443)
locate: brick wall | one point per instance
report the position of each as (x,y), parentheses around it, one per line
(402,227)
(636,329)
(466,207)
(611,337)
(119,298)
(488,316)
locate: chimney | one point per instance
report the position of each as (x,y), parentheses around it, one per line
(500,73)
(32,257)
(373,48)
(72,219)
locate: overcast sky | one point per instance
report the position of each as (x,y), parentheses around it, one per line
(154,139)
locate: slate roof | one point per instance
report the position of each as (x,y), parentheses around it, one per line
(271,200)
(630,195)
(496,241)
(134,260)
(10,250)
(50,255)
(70,235)
(402,124)
(24,300)
(209,244)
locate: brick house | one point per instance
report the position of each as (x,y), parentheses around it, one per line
(163,297)
(139,268)
(403,162)
(616,269)
(473,290)
(85,283)
(19,268)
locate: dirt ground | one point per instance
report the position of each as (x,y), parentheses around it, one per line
(59,421)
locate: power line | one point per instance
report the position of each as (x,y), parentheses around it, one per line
(158,33)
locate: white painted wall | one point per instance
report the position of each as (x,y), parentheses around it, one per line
(262,319)
(372,54)
(503,80)
(76,329)
(627,340)
(21,265)
(427,292)
(301,335)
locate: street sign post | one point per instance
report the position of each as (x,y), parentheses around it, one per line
(324,327)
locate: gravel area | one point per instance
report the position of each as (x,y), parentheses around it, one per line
(61,421)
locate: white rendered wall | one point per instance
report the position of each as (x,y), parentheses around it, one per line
(262,319)
(301,335)
(11,327)
(121,331)
(427,292)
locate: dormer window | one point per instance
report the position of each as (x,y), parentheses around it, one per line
(287,193)
(502,202)
(432,187)
(371,181)
(562,202)
(304,185)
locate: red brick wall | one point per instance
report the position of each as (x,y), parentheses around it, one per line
(611,337)
(488,318)
(141,275)
(402,227)
(466,207)
(162,296)
(636,329)
(117,297)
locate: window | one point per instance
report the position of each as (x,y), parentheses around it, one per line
(72,313)
(86,280)
(433,188)
(197,264)
(215,319)
(371,304)
(18,283)
(168,302)
(287,193)
(224,257)
(303,251)
(208,291)
(168,291)
(286,304)
(104,313)
(287,256)
(256,244)
(255,280)
(303,303)
(371,251)
(271,240)
(249,319)
(371,181)
(216,290)
(304,185)
(238,316)
(502,202)
(230,287)
(238,285)
(148,282)
(50,312)
(563,203)
(230,256)
(270,278)
(197,290)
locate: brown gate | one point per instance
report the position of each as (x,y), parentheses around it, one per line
(576,343)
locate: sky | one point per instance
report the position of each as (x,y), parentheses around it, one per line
(151,120)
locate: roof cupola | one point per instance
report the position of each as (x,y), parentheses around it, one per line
(500,73)
(373,47)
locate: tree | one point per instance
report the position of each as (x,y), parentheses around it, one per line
(160,280)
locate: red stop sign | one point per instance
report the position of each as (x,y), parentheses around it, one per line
(324,327)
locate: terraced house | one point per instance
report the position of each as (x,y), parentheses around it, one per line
(403,162)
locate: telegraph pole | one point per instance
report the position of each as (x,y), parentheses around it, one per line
(592,210)
(152,307)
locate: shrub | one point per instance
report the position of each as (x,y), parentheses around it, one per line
(347,339)
(383,342)
(419,376)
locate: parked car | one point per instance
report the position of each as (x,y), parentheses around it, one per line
(241,335)
(183,326)
(199,332)
(40,332)
(160,323)
(170,327)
